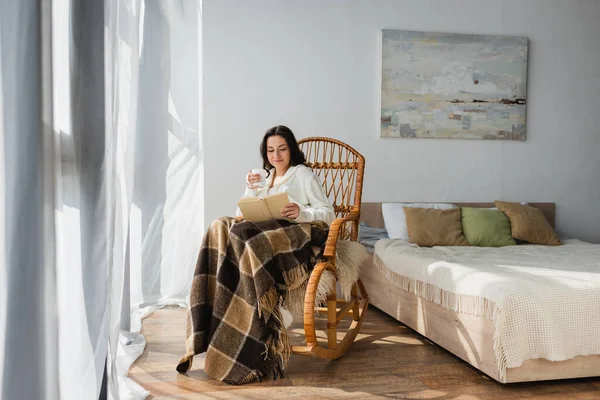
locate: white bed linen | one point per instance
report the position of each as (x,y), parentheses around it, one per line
(544,300)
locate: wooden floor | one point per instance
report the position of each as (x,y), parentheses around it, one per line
(388,360)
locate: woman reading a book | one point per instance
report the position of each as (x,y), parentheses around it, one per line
(252,271)
(286,173)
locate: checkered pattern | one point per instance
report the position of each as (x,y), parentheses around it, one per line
(243,274)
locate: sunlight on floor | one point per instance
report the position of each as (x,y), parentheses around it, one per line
(307,392)
(388,361)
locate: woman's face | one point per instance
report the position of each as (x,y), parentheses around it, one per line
(278,152)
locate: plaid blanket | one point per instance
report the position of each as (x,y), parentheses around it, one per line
(245,271)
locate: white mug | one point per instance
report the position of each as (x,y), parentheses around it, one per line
(263,177)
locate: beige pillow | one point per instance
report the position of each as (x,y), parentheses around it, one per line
(431,227)
(528,223)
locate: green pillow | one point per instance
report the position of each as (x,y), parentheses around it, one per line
(486,228)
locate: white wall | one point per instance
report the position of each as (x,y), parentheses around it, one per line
(312,65)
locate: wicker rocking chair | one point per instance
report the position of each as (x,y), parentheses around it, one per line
(341,169)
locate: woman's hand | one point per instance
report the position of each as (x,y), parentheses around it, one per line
(252,180)
(290,210)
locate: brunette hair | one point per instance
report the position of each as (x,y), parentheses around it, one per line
(296,155)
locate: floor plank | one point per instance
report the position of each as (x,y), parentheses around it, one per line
(388,360)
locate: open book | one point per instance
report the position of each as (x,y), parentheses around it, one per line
(255,209)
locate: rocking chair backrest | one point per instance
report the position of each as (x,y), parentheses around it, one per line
(340,169)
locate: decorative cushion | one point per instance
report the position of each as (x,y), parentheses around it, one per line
(395,220)
(486,227)
(432,227)
(528,223)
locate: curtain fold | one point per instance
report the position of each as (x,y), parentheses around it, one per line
(84,228)
(27,306)
(122,22)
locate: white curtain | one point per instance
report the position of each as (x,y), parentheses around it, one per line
(28,326)
(112,231)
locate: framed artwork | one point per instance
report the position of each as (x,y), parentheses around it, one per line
(453,86)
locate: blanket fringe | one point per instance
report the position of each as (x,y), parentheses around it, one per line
(464,304)
(294,301)
(296,276)
(297,282)
(267,303)
(277,346)
(277,352)
(292,298)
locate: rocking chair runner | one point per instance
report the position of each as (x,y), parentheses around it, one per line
(341,169)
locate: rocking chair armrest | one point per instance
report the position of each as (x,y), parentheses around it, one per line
(334,231)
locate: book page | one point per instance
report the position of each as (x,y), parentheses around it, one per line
(253,209)
(275,203)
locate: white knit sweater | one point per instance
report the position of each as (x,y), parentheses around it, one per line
(303,188)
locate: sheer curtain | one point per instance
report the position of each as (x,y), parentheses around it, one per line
(166,217)
(101,218)
(28,330)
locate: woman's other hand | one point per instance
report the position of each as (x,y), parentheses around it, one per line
(252,180)
(290,210)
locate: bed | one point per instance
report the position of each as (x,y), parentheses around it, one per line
(496,308)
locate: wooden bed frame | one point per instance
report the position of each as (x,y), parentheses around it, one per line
(467,336)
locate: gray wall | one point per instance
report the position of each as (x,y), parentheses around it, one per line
(313,65)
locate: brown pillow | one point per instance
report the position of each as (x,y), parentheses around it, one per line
(528,223)
(432,227)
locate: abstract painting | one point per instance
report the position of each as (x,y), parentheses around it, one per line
(438,85)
